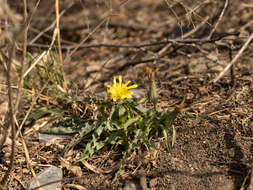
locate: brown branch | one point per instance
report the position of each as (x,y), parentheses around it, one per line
(134,63)
(219,20)
(235,59)
(10,122)
(51,26)
(108,14)
(21,81)
(164,42)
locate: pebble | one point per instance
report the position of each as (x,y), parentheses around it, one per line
(50,174)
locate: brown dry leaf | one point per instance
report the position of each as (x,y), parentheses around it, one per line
(79,187)
(76,170)
(95,169)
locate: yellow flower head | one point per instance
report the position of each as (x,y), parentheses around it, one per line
(119,91)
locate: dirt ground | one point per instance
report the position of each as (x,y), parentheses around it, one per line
(214,149)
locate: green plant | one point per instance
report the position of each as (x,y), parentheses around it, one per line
(121,122)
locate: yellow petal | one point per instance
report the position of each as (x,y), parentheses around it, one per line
(132,86)
(114,81)
(120,80)
(127,82)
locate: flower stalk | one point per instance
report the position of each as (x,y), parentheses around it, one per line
(152,93)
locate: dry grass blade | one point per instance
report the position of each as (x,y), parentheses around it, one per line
(35,63)
(59,40)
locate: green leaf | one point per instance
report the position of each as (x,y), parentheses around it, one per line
(141,101)
(188,116)
(165,135)
(44,112)
(121,111)
(27,84)
(131,121)
(127,153)
(82,133)
(141,109)
(93,145)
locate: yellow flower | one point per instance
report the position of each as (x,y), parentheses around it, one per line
(119,91)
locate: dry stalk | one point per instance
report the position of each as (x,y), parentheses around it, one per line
(9,123)
(28,161)
(21,81)
(12,112)
(10,120)
(20,88)
(59,42)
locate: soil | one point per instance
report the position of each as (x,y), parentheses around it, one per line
(213,150)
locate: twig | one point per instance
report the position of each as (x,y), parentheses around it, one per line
(134,63)
(175,14)
(75,48)
(219,20)
(21,81)
(184,36)
(45,30)
(11,112)
(196,28)
(28,161)
(20,85)
(235,59)
(34,64)
(59,42)
(10,122)
(108,14)
(175,41)
(33,12)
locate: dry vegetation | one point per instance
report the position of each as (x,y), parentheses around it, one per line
(201,51)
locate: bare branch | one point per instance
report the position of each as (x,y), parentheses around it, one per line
(140,45)
(219,20)
(235,59)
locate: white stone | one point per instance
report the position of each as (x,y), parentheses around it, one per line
(51,174)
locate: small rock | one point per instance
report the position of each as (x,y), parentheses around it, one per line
(132,186)
(153,182)
(51,174)
(138,93)
(47,138)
